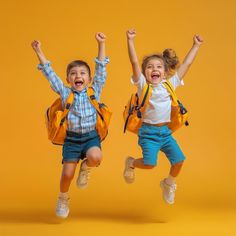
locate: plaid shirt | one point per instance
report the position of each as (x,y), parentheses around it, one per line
(82,115)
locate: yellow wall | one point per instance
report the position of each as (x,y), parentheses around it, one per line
(30,166)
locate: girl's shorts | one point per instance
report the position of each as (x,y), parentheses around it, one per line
(153,138)
(76,145)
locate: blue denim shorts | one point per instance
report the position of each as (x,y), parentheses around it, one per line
(76,145)
(153,138)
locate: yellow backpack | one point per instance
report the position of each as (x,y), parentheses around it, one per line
(135,107)
(103,114)
(56,119)
(56,122)
(179,114)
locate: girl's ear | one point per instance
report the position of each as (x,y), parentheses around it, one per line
(67,80)
(166,73)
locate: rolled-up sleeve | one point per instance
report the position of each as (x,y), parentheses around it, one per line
(55,82)
(100,76)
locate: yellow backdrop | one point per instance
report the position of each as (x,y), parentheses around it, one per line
(30,165)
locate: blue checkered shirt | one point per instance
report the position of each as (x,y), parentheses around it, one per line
(82,115)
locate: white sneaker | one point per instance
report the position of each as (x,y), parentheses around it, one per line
(84,175)
(129,174)
(62,208)
(168,192)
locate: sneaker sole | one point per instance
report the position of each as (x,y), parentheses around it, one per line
(81,186)
(62,216)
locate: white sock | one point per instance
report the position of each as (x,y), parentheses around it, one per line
(170,180)
(64,195)
(84,165)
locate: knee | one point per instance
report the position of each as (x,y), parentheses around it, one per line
(95,158)
(67,176)
(178,164)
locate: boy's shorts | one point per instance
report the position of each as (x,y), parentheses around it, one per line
(153,138)
(76,145)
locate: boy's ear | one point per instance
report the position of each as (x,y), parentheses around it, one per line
(67,80)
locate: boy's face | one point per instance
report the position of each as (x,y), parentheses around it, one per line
(155,71)
(78,77)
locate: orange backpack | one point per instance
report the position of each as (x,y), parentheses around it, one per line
(134,109)
(136,106)
(103,114)
(56,122)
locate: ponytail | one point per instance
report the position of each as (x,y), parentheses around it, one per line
(171,58)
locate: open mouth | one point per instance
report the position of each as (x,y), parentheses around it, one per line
(155,76)
(79,83)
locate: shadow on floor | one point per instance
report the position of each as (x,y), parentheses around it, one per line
(48,217)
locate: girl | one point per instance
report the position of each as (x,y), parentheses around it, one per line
(154,134)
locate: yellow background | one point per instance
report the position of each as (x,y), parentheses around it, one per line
(30,165)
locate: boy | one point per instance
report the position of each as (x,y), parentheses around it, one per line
(82,141)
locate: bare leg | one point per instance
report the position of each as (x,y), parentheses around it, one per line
(67,175)
(94,157)
(132,163)
(175,169)
(138,163)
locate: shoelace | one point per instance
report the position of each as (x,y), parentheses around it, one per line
(85,174)
(129,172)
(172,188)
(62,203)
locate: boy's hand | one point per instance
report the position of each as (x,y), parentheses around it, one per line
(197,39)
(131,34)
(36,45)
(100,37)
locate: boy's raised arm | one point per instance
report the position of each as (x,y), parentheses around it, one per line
(188,60)
(131,33)
(36,45)
(101,38)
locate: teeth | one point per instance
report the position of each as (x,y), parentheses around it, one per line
(78,82)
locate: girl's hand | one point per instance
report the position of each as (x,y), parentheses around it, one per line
(131,34)
(197,39)
(36,45)
(100,37)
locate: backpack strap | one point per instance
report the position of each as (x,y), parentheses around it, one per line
(176,102)
(93,100)
(68,104)
(144,98)
(171,90)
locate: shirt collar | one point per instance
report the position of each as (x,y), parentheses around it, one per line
(160,83)
(81,92)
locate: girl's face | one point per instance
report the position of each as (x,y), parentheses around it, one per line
(78,77)
(155,71)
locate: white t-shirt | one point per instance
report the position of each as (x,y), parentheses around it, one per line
(159,108)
